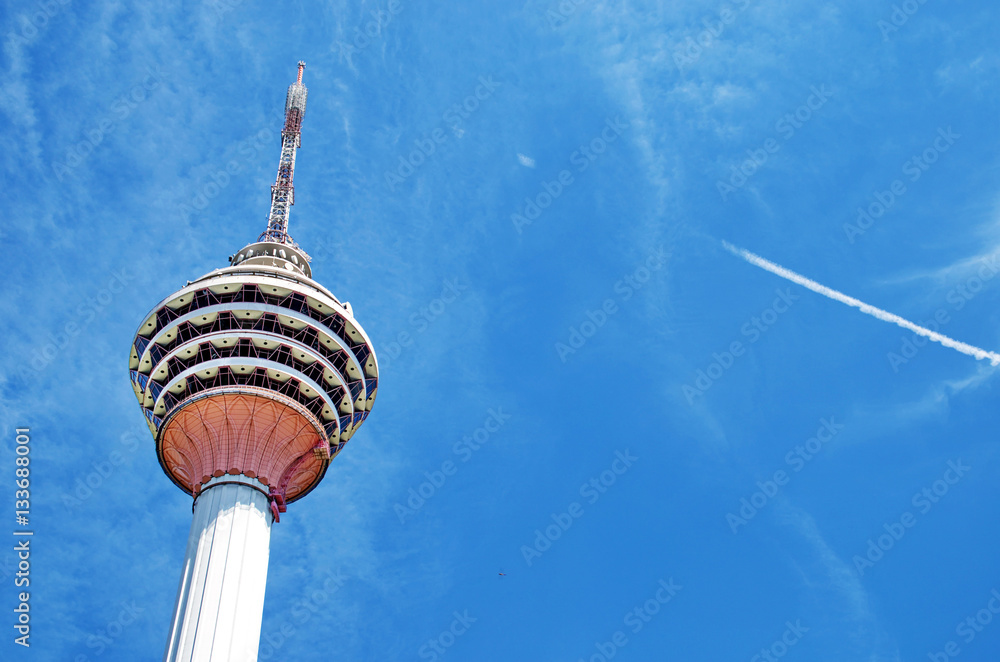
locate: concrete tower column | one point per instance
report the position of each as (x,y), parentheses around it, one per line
(220,601)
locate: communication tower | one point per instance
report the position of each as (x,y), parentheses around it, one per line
(251,378)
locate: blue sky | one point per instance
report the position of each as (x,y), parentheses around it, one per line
(600,332)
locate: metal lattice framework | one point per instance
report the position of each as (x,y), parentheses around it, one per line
(283,189)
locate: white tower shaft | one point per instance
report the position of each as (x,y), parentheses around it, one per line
(220,601)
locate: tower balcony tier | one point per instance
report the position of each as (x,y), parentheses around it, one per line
(256,370)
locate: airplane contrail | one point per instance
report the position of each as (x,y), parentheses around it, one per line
(878,313)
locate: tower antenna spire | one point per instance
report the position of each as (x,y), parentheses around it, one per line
(283,190)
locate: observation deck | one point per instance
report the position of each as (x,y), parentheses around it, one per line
(253,369)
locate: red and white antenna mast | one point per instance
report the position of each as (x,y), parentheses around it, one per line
(283,191)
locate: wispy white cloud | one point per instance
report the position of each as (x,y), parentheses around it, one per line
(985,265)
(862,625)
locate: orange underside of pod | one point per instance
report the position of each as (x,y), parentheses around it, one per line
(239,433)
